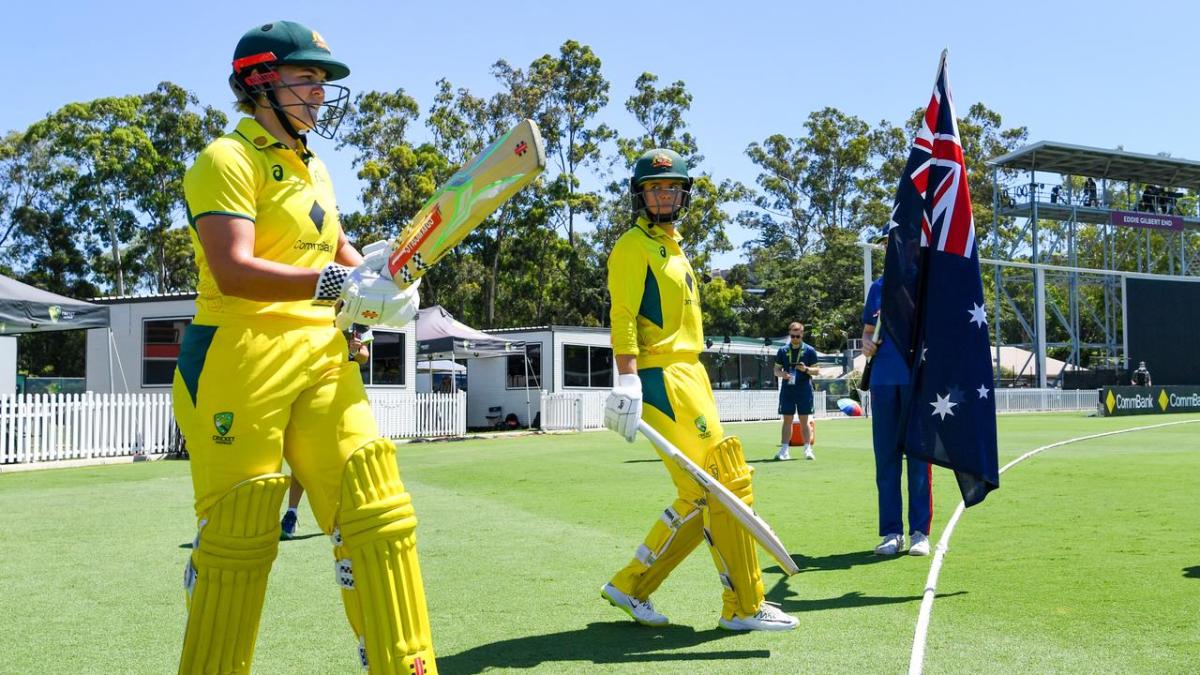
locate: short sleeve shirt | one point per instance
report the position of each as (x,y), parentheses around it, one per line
(788,358)
(286,194)
(889,366)
(655,294)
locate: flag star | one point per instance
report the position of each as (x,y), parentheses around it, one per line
(978,317)
(924,351)
(983,391)
(942,406)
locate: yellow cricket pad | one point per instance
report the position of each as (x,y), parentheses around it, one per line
(733,549)
(226,576)
(673,536)
(376,547)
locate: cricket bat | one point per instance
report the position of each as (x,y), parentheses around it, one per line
(757,527)
(484,183)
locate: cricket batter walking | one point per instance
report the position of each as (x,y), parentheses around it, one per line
(657,338)
(263,373)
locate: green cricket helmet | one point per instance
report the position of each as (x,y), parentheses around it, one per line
(660,164)
(287,43)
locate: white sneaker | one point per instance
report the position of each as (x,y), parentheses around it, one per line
(891,545)
(640,611)
(784,454)
(808,454)
(920,544)
(769,617)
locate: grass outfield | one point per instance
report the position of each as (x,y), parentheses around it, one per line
(1086,560)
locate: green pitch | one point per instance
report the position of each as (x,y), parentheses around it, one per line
(1086,560)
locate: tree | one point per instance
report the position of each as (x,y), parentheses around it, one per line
(399,176)
(571,91)
(817,182)
(177,128)
(112,170)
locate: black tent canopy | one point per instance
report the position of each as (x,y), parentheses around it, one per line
(26,309)
(441,336)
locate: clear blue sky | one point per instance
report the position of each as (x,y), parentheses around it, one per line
(1092,73)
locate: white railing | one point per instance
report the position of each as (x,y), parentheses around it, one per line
(53,427)
(1041,400)
(760,404)
(45,427)
(1034,400)
(406,414)
(575,410)
(579,411)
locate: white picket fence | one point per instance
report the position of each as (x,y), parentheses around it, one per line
(580,411)
(405,414)
(1045,400)
(52,427)
(45,427)
(577,410)
(760,404)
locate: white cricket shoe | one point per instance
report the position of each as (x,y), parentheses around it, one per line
(808,454)
(768,617)
(920,544)
(891,545)
(640,611)
(784,454)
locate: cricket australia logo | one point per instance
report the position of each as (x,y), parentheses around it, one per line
(661,161)
(223,421)
(702,425)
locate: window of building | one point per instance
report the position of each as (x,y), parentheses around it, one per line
(585,366)
(387,365)
(739,371)
(758,371)
(515,369)
(161,339)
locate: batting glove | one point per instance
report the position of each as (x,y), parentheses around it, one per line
(623,408)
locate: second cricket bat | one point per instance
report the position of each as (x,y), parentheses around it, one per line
(746,517)
(479,188)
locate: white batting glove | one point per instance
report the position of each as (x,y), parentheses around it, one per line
(335,277)
(375,301)
(375,257)
(623,408)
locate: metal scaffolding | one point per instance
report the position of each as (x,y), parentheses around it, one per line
(1069,224)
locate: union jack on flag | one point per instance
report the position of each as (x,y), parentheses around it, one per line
(933,308)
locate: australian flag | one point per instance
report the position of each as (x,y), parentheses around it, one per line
(933,307)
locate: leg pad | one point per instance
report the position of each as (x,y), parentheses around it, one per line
(226,576)
(377,569)
(733,549)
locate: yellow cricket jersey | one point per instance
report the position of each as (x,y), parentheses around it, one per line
(288,195)
(655,295)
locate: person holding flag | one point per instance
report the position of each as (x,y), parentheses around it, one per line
(889,380)
(932,309)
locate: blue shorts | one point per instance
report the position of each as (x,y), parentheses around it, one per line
(796,399)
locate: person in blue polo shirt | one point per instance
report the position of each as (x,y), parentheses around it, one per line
(889,390)
(795,364)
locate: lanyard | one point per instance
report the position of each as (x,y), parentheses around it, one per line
(792,353)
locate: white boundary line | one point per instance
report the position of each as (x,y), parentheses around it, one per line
(916,661)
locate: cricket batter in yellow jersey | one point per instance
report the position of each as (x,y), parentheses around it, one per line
(263,373)
(657,336)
